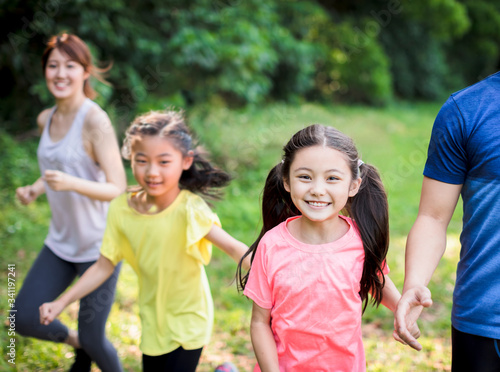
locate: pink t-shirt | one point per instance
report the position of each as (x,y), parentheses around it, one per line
(313,294)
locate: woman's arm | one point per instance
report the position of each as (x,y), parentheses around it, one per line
(90,280)
(100,135)
(263,340)
(233,247)
(29,193)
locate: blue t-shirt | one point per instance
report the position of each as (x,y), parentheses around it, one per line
(465,149)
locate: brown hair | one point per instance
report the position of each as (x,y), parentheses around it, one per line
(76,49)
(368,208)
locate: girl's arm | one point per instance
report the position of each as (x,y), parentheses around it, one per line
(100,134)
(390,294)
(90,280)
(263,340)
(233,247)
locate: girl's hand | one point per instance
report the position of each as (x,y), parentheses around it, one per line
(26,194)
(49,311)
(58,181)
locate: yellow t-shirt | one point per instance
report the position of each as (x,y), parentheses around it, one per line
(167,250)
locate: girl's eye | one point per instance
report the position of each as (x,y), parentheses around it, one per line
(332,178)
(51,66)
(164,162)
(304,177)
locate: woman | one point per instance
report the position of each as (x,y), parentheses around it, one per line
(81,171)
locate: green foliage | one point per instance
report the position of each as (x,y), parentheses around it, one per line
(476,54)
(358,67)
(18,167)
(227,52)
(443,19)
(418,63)
(249,52)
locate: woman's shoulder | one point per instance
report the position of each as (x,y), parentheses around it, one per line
(42,118)
(97,119)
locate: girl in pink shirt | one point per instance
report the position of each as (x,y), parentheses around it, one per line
(313,267)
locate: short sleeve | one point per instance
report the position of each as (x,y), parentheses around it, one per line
(385,268)
(446,157)
(200,220)
(113,239)
(257,287)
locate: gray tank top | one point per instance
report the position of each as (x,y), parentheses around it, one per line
(78,222)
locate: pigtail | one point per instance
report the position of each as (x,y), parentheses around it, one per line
(370,209)
(277,206)
(202,177)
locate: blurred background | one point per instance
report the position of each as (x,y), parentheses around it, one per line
(249,74)
(240,52)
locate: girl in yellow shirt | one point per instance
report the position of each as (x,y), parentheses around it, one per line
(165,230)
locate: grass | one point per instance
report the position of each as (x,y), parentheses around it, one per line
(248,143)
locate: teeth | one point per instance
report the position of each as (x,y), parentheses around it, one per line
(318,204)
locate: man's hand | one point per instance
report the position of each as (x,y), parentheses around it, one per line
(408,311)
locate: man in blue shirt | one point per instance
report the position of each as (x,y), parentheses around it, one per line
(463,159)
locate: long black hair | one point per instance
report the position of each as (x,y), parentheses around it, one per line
(368,208)
(202,177)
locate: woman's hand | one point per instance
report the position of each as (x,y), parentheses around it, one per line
(49,311)
(58,181)
(26,194)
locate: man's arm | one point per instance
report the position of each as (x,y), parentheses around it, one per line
(425,246)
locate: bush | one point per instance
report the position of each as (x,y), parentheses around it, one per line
(354,67)
(476,54)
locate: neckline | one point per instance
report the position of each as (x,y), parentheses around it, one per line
(317,248)
(49,123)
(177,200)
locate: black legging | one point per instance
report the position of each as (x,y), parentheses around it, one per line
(179,360)
(46,280)
(471,353)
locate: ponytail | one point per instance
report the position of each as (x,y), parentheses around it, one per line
(202,177)
(277,206)
(370,210)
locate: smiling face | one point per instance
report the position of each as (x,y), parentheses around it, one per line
(64,77)
(157,165)
(320,182)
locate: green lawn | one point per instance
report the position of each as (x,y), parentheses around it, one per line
(248,143)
